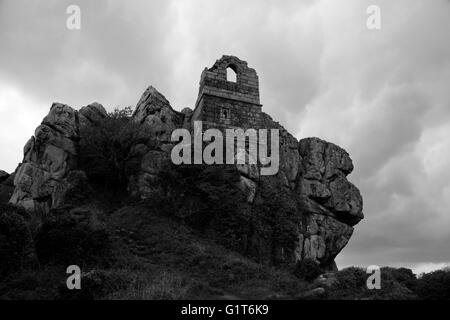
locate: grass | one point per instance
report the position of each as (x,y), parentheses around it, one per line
(186,265)
(155,256)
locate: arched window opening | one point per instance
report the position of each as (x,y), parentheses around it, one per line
(231,75)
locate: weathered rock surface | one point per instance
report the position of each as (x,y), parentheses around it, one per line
(41,180)
(312,172)
(187,114)
(154,111)
(324,169)
(321,238)
(146,183)
(48,156)
(73,189)
(92,113)
(320,206)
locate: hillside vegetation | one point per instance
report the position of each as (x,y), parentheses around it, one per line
(196,236)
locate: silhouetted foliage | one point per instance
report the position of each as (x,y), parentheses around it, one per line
(96,284)
(275,216)
(403,276)
(124,113)
(108,150)
(209,198)
(75,237)
(307,270)
(16,246)
(352,278)
(205,197)
(396,284)
(434,285)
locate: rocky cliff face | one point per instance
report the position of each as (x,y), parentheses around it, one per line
(49,165)
(319,205)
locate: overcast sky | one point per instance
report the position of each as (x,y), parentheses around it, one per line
(383,95)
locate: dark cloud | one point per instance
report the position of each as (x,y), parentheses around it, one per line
(119,50)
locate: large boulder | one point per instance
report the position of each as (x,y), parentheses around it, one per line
(187,117)
(331,205)
(154,111)
(146,183)
(48,157)
(321,238)
(62,119)
(92,113)
(325,167)
(73,189)
(305,211)
(311,182)
(159,119)
(44,177)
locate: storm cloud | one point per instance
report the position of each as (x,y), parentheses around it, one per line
(383,95)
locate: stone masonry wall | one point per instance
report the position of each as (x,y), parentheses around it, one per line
(241,114)
(226,104)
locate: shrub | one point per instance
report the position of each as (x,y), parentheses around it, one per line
(403,276)
(16,244)
(74,237)
(351,283)
(163,285)
(275,219)
(167,286)
(209,199)
(352,279)
(205,197)
(33,284)
(97,284)
(307,270)
(108,152)
(434,285)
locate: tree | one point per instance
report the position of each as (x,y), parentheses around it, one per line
(434,285)
(110,151)
(307,270)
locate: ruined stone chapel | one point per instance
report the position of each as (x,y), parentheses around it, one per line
(227,102)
